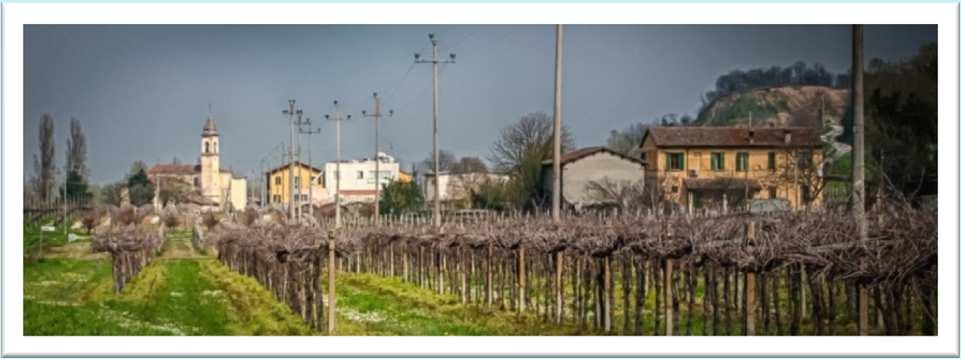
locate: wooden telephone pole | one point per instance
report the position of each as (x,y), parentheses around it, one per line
(857,99)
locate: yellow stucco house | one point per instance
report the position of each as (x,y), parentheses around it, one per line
(699,167)
(308,184)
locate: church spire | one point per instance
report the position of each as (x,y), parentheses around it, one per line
(210,128)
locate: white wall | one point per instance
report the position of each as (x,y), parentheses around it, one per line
(350,181)
(596,167)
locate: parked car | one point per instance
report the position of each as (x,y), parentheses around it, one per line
(765,206)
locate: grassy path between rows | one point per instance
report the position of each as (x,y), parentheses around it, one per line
(68,291)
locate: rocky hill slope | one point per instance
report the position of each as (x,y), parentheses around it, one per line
(799,106)
(780,106)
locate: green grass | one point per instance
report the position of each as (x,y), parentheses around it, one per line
(373,305)
(171,296)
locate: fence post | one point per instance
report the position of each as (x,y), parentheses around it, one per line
(750,295)
(521,279)
(668,297)
(331,275)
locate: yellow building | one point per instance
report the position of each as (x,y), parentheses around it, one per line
(717,167)
(307,179)
(404,177)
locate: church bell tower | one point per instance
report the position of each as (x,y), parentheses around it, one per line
(210,184)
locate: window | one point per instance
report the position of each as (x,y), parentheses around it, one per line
(742,161)
(296,181)
(196,181)
(771,161)
(277,180)
(805,159)
(675,161)
(206,147)
(717,161)
(772,192)
(806,194)
(360,174)
(644,156)
(674,189)
(215,146)
(276,198)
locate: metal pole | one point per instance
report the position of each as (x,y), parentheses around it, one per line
(337,118)
(434,61)
(290,155)
(558,75)
(376,116)
(337,174)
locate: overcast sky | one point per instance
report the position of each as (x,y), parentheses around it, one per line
(142,92)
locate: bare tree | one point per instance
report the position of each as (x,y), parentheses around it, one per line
(446,160)
(628,196)
(800,169)
(528,138)
(628,141)
(521,149)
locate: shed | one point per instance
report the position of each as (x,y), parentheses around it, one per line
(599,165)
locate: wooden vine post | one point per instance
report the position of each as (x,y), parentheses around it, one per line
(750,293)
(668,297)
(331,274)
(521,279)
(559,285)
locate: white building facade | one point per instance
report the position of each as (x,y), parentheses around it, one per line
(360,178)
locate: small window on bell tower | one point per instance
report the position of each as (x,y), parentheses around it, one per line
(206,147)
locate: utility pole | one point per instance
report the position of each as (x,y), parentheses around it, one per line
(299,210)
(337,117)
(310,166)
(558,76)
(376,116)
(857,99)
(290,112)
(434,61)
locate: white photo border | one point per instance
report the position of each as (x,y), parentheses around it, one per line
(16,15)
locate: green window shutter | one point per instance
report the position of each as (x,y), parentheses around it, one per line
(681,157)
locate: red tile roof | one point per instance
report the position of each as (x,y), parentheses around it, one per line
(682,136)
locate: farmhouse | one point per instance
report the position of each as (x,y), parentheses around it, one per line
(217,187)
(717,166)
(586,169)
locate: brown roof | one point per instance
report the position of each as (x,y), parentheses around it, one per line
(284,167)
(168,168)
(588,151)
(680,136)
(721,183)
